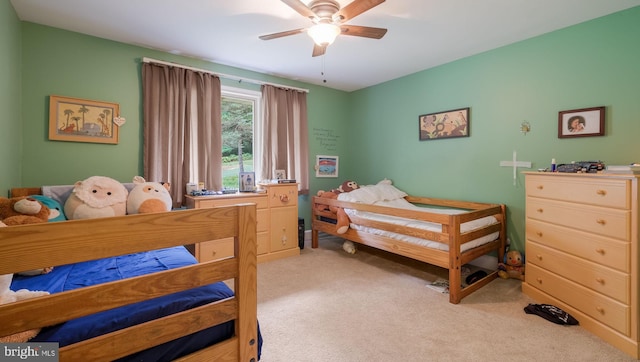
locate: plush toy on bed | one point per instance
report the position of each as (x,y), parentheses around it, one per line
(56,210)
(513,267)
(97,196)
(147,197)
(342,224)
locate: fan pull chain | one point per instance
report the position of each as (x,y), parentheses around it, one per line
(322,72)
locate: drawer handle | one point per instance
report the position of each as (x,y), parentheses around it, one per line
(600,281)
(600,251)
(602,222)
(600,310)
(540,210)
(601,192)
(539,256)
(539,280)
(540,187)
(284,198)
(539,233)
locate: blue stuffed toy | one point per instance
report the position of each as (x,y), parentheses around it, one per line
(56,209)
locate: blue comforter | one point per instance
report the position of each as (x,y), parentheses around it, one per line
(73,276)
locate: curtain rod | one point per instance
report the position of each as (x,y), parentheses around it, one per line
(222,75)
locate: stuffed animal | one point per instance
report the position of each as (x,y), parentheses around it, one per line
(56,211)
(97,196)
(22,210)
(147,197)
(342,219)
(514,266)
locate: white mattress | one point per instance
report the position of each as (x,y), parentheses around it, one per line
(424,225)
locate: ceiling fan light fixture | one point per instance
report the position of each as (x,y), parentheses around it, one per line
(324,34)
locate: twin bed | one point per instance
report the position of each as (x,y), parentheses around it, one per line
(445,233)
(126,288)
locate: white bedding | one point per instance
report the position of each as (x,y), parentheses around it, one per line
(385,194)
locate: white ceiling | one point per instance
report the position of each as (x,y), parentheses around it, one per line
(421,33)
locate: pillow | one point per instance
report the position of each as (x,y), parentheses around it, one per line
(60,193)
(370,194)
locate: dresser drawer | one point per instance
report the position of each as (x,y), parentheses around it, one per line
(598,249)
(283,195)
(601,192)
(602,308)
(215,249)
(603,280)
(602,221)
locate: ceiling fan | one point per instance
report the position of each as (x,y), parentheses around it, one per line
(329,19)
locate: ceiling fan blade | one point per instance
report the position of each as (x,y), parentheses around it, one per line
(281,34)
(364,31)
(318,50)
(301,8)
(355,8)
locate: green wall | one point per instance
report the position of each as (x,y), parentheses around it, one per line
(591,64)
(10,136)
(59,62)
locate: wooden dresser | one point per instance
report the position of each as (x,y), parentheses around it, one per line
(582,251)
(277,222)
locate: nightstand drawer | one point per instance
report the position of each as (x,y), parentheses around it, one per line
(599,249)
(591,275)
(283,195)
(602,221)
(604,309)
(603,192)
(215,249)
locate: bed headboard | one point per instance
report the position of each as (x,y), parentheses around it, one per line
(25,191)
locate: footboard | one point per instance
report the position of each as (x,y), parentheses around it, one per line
(448,247)
(28,247)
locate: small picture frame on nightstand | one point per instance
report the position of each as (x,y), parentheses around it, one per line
(247,182)
(280,174)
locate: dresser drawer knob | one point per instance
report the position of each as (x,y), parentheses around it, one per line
(540,187)
(600,310)
(600,281)
(540,210)
(539,233)
(600,251)
(539,256)
(284,198)
(601,192)
(602,222)
(539,280)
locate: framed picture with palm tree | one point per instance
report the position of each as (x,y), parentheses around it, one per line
(83,120)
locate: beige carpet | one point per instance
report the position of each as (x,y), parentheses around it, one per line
(327,305)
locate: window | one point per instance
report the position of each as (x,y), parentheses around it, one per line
(240,109)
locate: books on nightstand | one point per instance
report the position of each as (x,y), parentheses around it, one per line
(633,169)
(288,181)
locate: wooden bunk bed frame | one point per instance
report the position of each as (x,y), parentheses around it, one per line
(453,259)
(27,247)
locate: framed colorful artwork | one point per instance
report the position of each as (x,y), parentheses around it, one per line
(83,120)
(447,124)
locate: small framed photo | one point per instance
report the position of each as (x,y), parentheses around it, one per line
(326,166)
(447,124)
(247,182)
(280,174)
(585,122)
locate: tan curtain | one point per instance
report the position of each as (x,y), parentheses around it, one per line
(282,137)
(182,127)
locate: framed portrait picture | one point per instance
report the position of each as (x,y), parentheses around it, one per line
(280,174)
(82,120)
(585,122)
(326,166)
(247,182)
(447,124)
